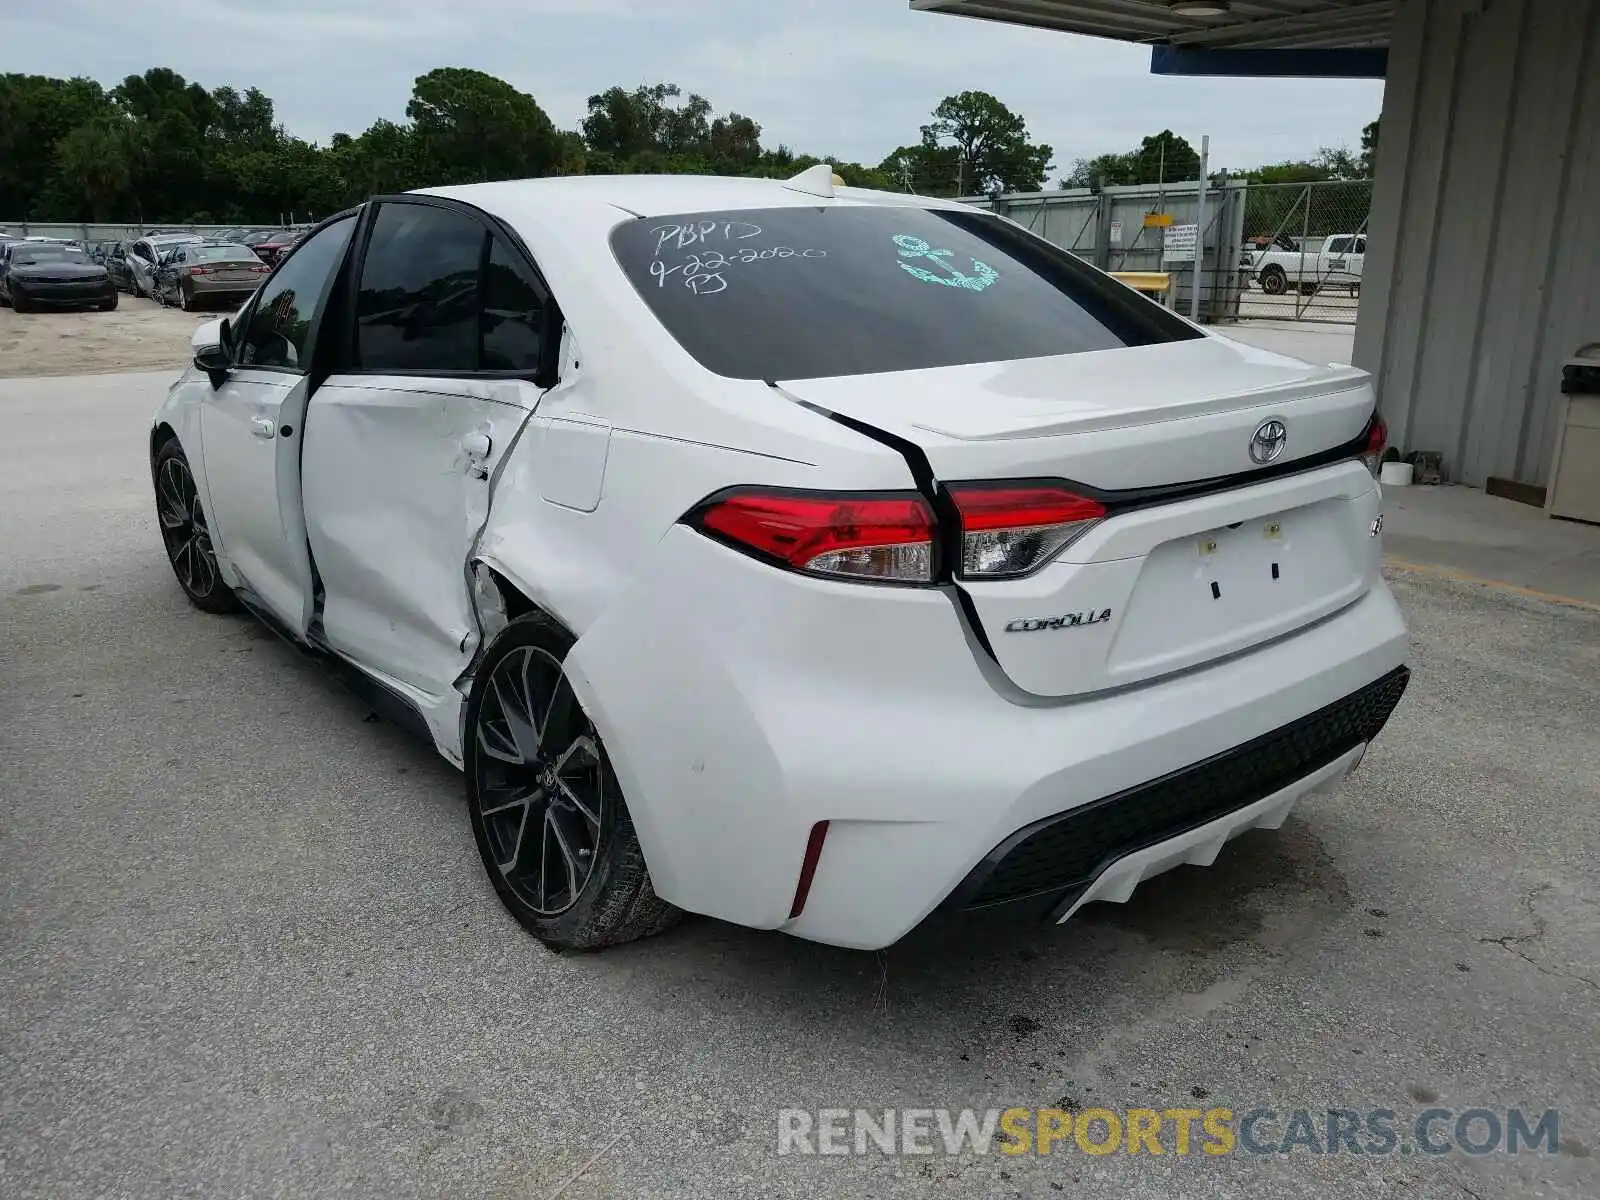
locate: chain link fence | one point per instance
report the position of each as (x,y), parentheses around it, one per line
(1292,252)
(1305,250)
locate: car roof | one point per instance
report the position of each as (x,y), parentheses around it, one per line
(616,197)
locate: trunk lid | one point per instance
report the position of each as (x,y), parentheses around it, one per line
(1171,579)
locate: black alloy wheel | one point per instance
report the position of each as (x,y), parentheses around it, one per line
(187,537)
(547,811)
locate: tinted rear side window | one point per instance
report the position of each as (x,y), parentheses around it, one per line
(417,309)
(800,293)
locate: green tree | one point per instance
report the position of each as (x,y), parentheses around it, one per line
(36,112)
(925,170)
(1369,149)
(95,164)
(469,127)
(621,124)
(383,159)
(991,144)
(1161,157)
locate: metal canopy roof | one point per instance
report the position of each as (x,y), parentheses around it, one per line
(1250,24)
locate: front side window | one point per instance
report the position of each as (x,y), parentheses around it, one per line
(279,326)
(418,305)
(806,292)
(1339,245)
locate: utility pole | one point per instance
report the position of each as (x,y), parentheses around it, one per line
(1199,230)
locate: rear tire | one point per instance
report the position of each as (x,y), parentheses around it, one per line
(110,304)
(1273,281)
(186,534)
(547,812)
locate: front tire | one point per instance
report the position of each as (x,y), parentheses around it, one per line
(186,534)
(547,812)
(20,302)
(109,304)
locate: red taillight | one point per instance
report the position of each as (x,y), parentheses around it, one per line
(201,270)
(881,538)
(1009,530)
(1377,443)
(263,269)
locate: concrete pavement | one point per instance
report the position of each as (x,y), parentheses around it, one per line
(246,946)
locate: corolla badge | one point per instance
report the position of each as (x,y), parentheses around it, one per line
(1268,441)
(1077,620)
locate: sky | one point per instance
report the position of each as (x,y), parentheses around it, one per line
(848,78)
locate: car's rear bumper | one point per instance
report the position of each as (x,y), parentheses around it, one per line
(741,706)
(1101,850)
(216,290)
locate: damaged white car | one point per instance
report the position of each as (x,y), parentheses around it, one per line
(808,557)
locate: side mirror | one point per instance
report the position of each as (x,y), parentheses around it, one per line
(212,345)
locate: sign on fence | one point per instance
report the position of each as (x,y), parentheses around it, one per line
(1178,242)
(1116,233)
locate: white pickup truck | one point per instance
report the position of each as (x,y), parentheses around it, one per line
(1338,264)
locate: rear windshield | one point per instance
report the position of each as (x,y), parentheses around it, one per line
(222,254)
(801,293)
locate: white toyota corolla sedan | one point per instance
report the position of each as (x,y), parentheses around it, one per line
(808,557)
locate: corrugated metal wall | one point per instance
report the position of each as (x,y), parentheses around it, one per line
(1483,269)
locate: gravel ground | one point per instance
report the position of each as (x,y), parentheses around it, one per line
(139,335)
(246,947)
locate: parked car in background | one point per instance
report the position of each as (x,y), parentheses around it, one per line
(40,273)
(270,249)
(232,234)
(200,273)
(117,267)
(1339,263)
(144,259)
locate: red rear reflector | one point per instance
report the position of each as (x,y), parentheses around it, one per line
(1377,443)
(808,867)
(883,538)
(1010,530)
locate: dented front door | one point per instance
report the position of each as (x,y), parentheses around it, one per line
(396,477)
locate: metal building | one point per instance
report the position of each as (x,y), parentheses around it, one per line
(1483,264)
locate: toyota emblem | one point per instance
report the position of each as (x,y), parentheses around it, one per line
(1269,440)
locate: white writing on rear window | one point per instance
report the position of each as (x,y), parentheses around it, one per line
(704,270)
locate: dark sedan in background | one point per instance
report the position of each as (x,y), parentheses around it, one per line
(269,244)
(47,273)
